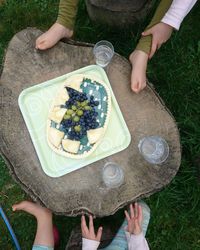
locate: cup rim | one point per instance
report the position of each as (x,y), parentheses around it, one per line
(110,162)
(104,41)
(165,153)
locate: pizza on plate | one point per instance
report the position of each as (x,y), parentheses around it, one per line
(79,116)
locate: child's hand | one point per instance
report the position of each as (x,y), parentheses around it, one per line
(160,32)
(89,233)
(139,61)
(134,219)
(53,36)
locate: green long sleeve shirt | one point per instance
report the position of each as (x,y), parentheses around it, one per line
(67,13)
(68,9)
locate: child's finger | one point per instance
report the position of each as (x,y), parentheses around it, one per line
(84,227)
(140,213)
(147,32)
(134,84)
(99,233)
(132,211)
(91,225)
(127,215)
(136,210)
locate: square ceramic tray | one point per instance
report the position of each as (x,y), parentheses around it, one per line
(34,103)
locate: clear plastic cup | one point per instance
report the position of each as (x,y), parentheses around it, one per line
(154,149)
(103,53)
(113,175)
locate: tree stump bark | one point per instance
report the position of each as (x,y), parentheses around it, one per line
(81,190)
(120,13)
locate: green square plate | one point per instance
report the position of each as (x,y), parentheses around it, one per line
(35,102)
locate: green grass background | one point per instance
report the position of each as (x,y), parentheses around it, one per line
(175,72)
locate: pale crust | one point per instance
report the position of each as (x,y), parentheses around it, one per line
(85,154)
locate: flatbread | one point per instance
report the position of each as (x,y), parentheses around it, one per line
(70,148)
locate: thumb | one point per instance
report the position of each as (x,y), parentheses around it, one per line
(147,32)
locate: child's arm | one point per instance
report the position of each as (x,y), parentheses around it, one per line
(145,42)
(177,12)
(136,242)
(162,24)
(139,57)
(134,235)
(62,28)
(67,13)
(90,240)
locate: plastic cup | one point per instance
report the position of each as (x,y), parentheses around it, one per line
(154,149)
(113,175)
(103,53)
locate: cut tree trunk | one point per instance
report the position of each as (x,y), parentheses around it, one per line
(81,190)
(119,13)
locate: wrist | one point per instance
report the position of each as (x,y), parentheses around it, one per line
(168,26)
(139,53)
(89,244)
(136,232)
(139,58)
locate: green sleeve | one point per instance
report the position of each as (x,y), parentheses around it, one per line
(144,43)
(67,13)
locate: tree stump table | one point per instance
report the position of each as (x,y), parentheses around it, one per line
(81,190)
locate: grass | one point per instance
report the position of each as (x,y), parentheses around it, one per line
(175,72)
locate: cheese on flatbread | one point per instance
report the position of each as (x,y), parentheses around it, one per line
(57,114)
(55,136)
(74,82)
(94,135)
(70,145)
(61,97)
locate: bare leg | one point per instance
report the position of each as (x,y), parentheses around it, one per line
(44,234)
(52,36)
